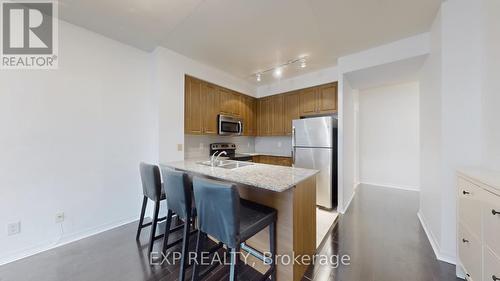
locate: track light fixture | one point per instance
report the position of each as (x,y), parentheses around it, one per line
(277,71)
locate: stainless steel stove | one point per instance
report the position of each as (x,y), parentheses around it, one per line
(230,149)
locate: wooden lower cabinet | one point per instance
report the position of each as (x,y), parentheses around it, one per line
(273,160)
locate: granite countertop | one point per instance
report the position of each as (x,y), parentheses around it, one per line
(486,177)
(269,177)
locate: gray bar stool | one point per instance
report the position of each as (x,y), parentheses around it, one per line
(179,190)
(231,220)
(151,187)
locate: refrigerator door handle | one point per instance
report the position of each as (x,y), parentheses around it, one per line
(293,145)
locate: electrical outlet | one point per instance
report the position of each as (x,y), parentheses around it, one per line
(279,144)
(59,217)
(14,228)
(179,147)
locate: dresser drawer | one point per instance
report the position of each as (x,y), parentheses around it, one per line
(491,266)
(469,210)
(470,252)
(491,219)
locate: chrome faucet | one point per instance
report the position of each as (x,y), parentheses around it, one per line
(217,157)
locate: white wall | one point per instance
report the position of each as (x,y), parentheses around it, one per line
(463,75)
(72,141)
(169,70)
(430,138)
(347,157)
(491,84)
(388,136)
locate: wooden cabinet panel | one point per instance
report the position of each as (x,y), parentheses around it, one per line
(247,108)
(292,111)
(211,108)
(273,160)
(327,97)
(277,116)
(226,103)
(192,106)
(308,101)
(264,117)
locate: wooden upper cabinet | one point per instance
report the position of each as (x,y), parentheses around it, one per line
(192,106)
(230,102)
(327,96)
(210,108)
(277,116)
(264,117)
(308,101)
(292,111)
(248,113)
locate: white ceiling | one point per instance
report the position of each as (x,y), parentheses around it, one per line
(242,37)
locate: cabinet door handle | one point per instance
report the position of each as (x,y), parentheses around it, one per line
(465,240)
(495,278)
(465,192)
(495,212)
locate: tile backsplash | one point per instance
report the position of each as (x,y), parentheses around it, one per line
(274,145)
(198,146)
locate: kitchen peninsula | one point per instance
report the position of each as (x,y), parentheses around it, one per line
(291,191)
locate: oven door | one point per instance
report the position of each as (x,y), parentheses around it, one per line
(230,126)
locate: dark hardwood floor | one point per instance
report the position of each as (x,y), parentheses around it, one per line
(380,232)
(384,240)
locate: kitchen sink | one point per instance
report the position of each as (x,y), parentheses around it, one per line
(226,164)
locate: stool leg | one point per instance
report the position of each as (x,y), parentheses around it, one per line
(167,231)
(272,249)
(199,248)
(141,218)
(153,226)
(233,272)
(185,249)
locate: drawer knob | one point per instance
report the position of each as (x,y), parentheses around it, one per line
(495,278)
(495,212)
(465,240)
(465,192)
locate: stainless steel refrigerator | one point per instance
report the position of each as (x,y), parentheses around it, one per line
(314,145)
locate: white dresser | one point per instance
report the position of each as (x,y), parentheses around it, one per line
(478,227)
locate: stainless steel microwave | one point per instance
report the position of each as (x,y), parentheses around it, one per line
(230,126)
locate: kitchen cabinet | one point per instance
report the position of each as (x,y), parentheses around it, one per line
(277,116)
(478,224)
(327,97)
(264,116)
(273,160)
(192,106)
(210,108)
(292,111)
(268,116)
(318,100)
(248,110)
(229,102)
(308,101)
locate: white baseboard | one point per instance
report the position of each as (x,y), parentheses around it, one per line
(48,245)
(434,243)
(402,187)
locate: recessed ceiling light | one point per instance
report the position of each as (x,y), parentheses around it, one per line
(258,77)
(278,71)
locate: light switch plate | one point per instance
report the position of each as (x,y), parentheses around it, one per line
(59,217)
(179,147)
